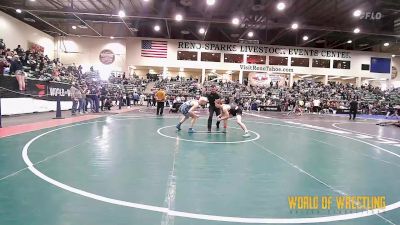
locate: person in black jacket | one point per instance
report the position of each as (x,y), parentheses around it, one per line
(16,68)
(353,109)
(212,96)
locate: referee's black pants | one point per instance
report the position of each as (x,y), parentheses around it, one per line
(353,112)
(160,108)
(211,111)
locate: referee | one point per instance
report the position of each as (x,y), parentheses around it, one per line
(353,109)
(212,96)
(160,97)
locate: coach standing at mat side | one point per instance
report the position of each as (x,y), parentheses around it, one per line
(212,96)
(160,97)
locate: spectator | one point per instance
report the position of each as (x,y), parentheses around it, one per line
(2,45)
(19,50)
(136,98)
(75,96)
(82,100)
(142,98)
(108,104)
(3,63)
(89,100)
(17,69)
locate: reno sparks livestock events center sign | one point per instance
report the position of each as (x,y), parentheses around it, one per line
(262,49)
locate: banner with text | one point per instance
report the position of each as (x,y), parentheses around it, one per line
(263,49)
(264,79)
(34,88)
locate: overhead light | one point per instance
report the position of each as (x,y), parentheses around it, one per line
(74,27)
(347,78)
(357,30)
(305,38)
(112,37)
(250,34)
(210,2)
(18,11)
(202,30)
(178,17)
(349,41)
(357,13)
(235,21)
(281,6)
(386,44)
(295,26)
(306,76)
(181,69)
(121,13)
(393,56)
(157,28)
(33,0)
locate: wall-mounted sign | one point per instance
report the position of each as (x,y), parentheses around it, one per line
(264,79)
(267,68)
(36,48)
(262,49)
(107,57)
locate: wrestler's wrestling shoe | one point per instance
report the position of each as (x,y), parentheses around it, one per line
(246,135)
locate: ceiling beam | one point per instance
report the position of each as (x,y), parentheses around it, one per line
(248,28)
(339,44)
(367,47)
(94,5)
(168,31)
(213,20)
(37,17)
(243,33)
(127,27)
(345,42)
(225,34)
(56,4)
(87,25)
(84,5)
(205,34)
(194,34)
(133,6)
(112,4)
(106,7)
(333,43)
(317,37)
(277,36)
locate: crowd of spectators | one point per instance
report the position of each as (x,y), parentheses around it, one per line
(312,96)
(179,87)
(317,97)
(230,89)
(88,91)
(34,64)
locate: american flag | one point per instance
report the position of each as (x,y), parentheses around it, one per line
(154,49)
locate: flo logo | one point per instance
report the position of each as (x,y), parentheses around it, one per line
(371,16)
(42,89)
